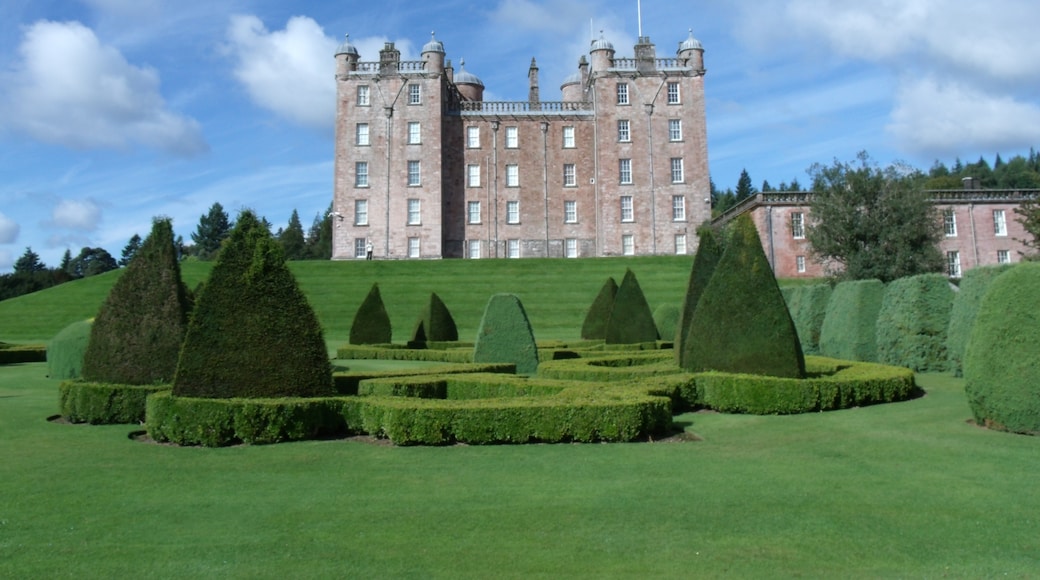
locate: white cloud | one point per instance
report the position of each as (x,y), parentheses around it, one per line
(71,90)
(290,71)
(84,215)
(8,230)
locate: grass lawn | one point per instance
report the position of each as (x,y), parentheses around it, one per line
(902,490)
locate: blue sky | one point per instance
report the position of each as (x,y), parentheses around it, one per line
(116,111)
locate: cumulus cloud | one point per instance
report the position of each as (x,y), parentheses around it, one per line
(70,89)
(8,230)
(289,72)
(83,215)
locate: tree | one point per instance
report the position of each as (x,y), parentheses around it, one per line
(29,263)
(319,237)
(744,187)
(66,262)
(794,185)
(1029,216)
(91,262)
(214,226)
(873,222)
(766,187)
(130,250)
(291,238)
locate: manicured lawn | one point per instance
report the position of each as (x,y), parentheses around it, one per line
(901,490)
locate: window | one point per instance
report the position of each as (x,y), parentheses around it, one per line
(1003,257)
(680,244)
(623,133)
(568,137)
(628,245)
(414,94)
(361,212)
(627,215)
(512,212)
(362,96)
(622,93)
(798,225)
(473,137)
(678,208)
(625,171)
(953,264)
(360,250)
(570,248)
(474,249)
(512,248)
(473,212)
(413,174)
(677,170)
(799,264)
(414,133)
(673,94)
(361,174)
(413,247)
(512,176)
(361,134)
(999,223)
(512,137)
(414,212)
(570,212)
(675,129)
(473,175)
(570,179)
(950,223)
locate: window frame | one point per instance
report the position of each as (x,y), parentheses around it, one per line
(799,264)
(569,140)
(360,212)
(570,175)
(678,208)
(414,173)
(680,245)
(361,174)
(628,245)
(473,175)
(624,131)
(798,225)
(628,211)
(364,96)
(950,222)
(414,94)
(473,212)
(473,250)
(622,94)
(678,173)
(362,137)
(512,212)
(512,175)
(675,130)
(414,247)
(625,171)
(570,211)
(472,137)
(1003,256)
(414,217)
(674,97)
(414,133)
(513,248)
(1000,223)
(570,248)
(512,137)
(360,245)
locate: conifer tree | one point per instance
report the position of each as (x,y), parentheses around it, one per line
(292,240)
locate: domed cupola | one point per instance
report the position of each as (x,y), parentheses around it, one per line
(690,43)
(691,53)
(602,53)
(601,44)
(347,48)
(347,57)
(433,55)
(469,85)
(434,45)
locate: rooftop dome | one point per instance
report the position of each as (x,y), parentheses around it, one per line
(346,47)
(601,44)
(572,79)
(434,45)
(464,78)
(690,43)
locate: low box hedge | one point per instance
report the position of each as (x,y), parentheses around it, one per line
(104,403)
(22,353)
(400,352)
(346,382)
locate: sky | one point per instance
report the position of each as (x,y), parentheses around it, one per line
(113,112)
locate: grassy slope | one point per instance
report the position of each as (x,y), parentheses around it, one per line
(902,490)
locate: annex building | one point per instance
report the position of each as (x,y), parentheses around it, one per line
(426,168)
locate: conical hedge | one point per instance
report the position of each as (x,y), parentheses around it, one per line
(435,323)
(252,333)
(708,253)
(137,335)
(595,325)
(631,320)
(371,322)
(741,321)
(505,335)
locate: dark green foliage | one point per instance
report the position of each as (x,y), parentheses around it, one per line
(595,325)
(252,333)
(744,187)
(708,253)
(91,262)
(104,403)
(138,332)
(808,307)
(435,323)
(371,322)
(129,251)
(741,316)
(29,262)
(214,227)
(631,319)
(973,287)
(65,351)
(912,323)
(505,335)
(849,329)
(1002,360)
(292,240)
(22,353)
(666,319)
(319,236)
(1028,213)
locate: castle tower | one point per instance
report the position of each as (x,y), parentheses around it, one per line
(433,55)
(346,57)
(602,54)
(691,53)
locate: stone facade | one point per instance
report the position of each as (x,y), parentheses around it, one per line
(425,168)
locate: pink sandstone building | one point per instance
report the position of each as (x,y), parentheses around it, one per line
(426,168)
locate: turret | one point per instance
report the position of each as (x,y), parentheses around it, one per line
(346,57)
(602,54)
(433,55)
(691,53)
(469,85)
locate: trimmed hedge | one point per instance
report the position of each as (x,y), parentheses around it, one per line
(1002,360)
(808,308)
(505,335)
(630,320)
(371,322)
(666,319)
(104,403)
(65,351)
(966,303)
(22,353)
(849,330)
(912,322)
(435,323)
(595,325)
(346,382)
(708,253)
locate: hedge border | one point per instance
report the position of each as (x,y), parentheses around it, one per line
(104,403)
(346,382)
(11,354)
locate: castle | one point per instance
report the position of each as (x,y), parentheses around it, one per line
(425,168)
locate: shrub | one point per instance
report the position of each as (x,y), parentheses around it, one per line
(595,325)
(708,253)
(666,319)
(630,320)
(808,307)
(912,322)
(371,322)
(1002,359)
(742,315)
(849,330)
(104,403)
(252,333)
(965,307)
(65,351)
(137,334)
(22,353)
(435,324)
(505,335)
